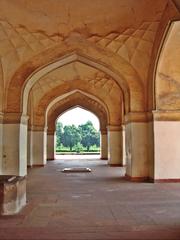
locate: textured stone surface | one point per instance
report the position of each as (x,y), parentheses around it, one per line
(120,57)
(97,205)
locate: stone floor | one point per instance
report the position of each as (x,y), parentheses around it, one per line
(98,205)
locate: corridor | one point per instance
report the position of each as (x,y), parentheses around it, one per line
(98,205)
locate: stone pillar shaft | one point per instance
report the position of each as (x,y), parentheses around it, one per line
(115,147)
(166,130)
(137,146)
(51,147)
(38,146)
(104,145)
(14,142)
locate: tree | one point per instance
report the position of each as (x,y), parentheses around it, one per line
(89,135)
(71,136)
(59,133)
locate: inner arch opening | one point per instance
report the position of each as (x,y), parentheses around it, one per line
(77,134)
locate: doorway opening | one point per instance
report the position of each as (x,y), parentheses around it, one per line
(77,135)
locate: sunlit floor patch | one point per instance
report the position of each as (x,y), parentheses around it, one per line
(76,170)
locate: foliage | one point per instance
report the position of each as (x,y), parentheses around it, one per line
(59,133)
(77,138)
(89,135)
(70,136)
(78,147)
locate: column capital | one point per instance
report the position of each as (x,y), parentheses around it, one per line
(138,117)
(115,128)
(163,115)
(36,128)
(12,117)
(51,132)
(24,119)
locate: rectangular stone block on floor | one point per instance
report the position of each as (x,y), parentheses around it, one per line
(12,194)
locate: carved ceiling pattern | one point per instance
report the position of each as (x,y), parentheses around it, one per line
(134,45)
(92,77)
(18,44)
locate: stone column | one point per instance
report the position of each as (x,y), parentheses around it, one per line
(104,145)
(137,146)
(29,159)
(115,146)
(166,163)
(51,145)
(38,146)
(124,145)
(14,138)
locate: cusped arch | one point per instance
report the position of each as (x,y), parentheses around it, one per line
(115,66)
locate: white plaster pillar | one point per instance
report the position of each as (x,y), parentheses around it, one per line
(166,146)
(51,145)
(38,146)
(14,145)
(124,145)
(29,149)
(104,145)
(137,146)
(115,146)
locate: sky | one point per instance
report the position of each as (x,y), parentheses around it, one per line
(78,116)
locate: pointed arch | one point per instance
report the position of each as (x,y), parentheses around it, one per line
(115,66)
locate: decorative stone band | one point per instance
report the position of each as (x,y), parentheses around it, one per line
(37,128)
(157,115)
(14,118)
(166,115)
(138,117)
(115,128)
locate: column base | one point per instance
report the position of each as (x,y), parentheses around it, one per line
(115,165)
(38,165)
(50,159)
(104,158)
(151,180)
(171,180)
(137,179)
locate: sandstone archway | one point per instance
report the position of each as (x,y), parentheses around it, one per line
(166,114)
(77,99)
